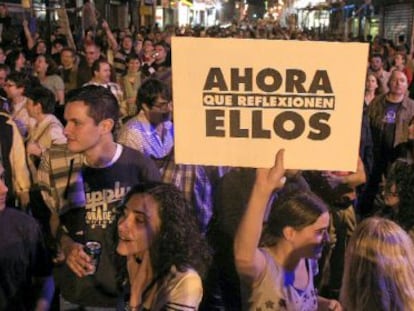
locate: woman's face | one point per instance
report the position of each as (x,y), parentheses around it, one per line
(133,65)
(20,61)
(371,83)
(398,60)
(139,225)
(41,48)
(40,64)
(310,241)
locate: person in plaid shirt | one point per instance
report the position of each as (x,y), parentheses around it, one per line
(151,132)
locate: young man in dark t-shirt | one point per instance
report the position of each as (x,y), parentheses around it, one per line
(26,281)
(84,183)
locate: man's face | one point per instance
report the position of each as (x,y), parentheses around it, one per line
(104,73)
(81,131)
(3,189)
(375,64)
(398,83)
(160,53)
(159,112)
(92,54)
(127,43)
(67,59)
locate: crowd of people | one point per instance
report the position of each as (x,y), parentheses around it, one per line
(87,156)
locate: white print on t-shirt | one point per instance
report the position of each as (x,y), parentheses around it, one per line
(101,206)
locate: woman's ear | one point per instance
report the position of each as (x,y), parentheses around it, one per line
(289,233)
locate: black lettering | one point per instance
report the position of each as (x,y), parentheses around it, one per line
(237,79)
(294,80)
(215,79)
(274,85)
(323,129)
(320,82)
(215,119)
(235,130)
(257,125)
(279,122)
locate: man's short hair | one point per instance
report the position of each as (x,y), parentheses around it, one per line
(377,55)
(92,44)
(127,37)
(150,90)
(68,49)
(163,44)
(97,65)
(101,102)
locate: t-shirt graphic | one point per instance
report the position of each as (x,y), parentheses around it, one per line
(101,205)
(390,114)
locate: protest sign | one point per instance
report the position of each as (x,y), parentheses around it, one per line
(236,102)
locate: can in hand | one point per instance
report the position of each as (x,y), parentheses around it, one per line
(93,249)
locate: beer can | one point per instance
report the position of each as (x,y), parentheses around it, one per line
(93,249)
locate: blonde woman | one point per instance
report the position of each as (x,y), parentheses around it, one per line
(379,268)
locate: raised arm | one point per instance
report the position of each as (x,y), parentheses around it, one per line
(28,35)
(249,260)
(111,39)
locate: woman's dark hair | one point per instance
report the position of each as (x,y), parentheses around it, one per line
(52,68)
(11,59)
(133,56)
(297,210)
(179,242)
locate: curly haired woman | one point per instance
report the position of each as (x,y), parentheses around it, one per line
(166,253)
